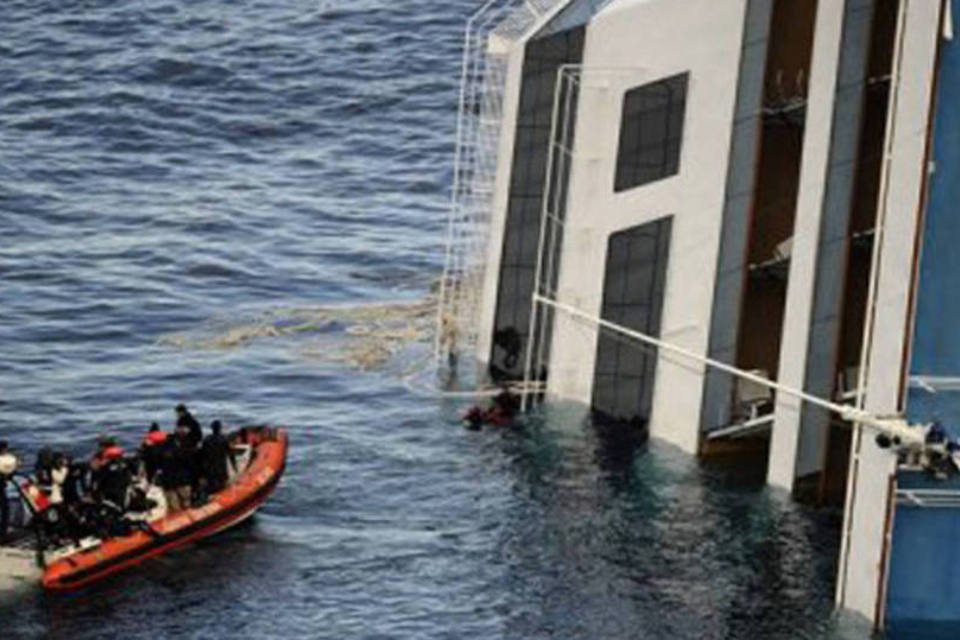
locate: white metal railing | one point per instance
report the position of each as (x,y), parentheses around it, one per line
(934,384)
(929,498)
(488,39)
(573,82)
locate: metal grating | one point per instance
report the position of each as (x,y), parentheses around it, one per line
(490,34)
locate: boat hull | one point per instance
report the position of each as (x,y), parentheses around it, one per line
(236,503)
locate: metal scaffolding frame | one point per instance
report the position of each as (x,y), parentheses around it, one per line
(489,37)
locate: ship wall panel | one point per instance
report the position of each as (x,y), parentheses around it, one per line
(731,271)
(817,265)
(627,47)
(863,550)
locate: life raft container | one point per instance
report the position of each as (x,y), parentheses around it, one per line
(250,488)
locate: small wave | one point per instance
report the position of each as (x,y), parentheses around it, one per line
(214,270)
(35,124)
(184,73)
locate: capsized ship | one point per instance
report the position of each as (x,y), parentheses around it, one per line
(767,185)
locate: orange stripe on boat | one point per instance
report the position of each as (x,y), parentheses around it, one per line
(225,509)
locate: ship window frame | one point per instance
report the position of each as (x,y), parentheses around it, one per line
(651,132)
(634,289)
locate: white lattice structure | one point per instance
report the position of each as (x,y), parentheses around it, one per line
(490,35)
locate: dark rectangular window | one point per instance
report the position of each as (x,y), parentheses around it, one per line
(633,290)
(518,262)
(651,131)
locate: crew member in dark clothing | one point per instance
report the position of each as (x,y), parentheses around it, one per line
(151,450)
(8,466)
(99,459)
(185,420)
(214,456)
(112,480)
(43,469)
(75,484)
(176,464)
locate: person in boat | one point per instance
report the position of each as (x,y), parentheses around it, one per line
(501,412)
(59,520)
(112,479)
(43,468)
(59,471)
(151,451)
(185,420)
(8,466)
(189,428)
(215,456)
(75,486)
(99,458)
(176,472)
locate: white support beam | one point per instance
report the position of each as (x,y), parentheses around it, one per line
(892,427)
(785,463)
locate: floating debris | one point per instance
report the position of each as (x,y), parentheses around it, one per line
(365,336)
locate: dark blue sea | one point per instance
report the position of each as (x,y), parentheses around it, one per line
(233,205)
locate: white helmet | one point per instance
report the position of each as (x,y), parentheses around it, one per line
(8,464)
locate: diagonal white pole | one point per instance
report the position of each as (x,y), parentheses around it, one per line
(890,426)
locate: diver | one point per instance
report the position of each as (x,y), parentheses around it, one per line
(501,413)
(185,420)
(215,456)
(8,466)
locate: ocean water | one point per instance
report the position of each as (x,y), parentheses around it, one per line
(231,205)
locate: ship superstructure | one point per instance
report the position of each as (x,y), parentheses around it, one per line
(765,183)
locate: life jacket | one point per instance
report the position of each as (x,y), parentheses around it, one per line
(37,497)
(154,438)
(113,453)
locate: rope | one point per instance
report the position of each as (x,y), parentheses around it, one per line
(893,427)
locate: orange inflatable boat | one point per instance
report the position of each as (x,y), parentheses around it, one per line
(263,453)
